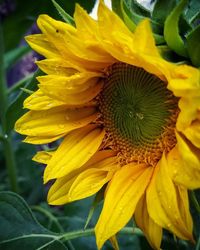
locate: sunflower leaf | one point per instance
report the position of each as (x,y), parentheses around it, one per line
(19,228)
(116,7)
(138,8)
(194,46)
(171,30)
(66,17)
(161,9)
(193,10)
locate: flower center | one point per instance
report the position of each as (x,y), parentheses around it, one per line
(139,113)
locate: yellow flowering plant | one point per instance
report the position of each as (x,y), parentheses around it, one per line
(121,96)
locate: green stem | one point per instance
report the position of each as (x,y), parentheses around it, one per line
(49,215)
(10,164)
(90,232)
(8,148)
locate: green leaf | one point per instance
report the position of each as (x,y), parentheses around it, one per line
(15,110)
(116,7)
(171,30)
(193,46)
(192,10)
(131,19)
(136,18)
(162,9)
(19,228)
(66,17)
(138,8)
(11,57)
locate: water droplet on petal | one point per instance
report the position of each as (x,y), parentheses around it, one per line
(61,125)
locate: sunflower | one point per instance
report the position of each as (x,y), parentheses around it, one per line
(129,120)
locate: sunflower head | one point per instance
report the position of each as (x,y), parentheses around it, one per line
(128,119)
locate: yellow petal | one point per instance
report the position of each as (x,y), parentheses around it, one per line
(88,183)
(43,156)
(187,115)
(184,164)
(144,40)
(188,153)
(57,66)
(114,243)
(62,93)
(65,38)
(85,25)
(39,101)
(42,139)
(184,207)
(163,202)
(58,193)
(40,44)
(152,231)
(123,193)
(55,31)
(193,133)
(53,122)
(76,149)
(137,48)
(186,81)
(85,181)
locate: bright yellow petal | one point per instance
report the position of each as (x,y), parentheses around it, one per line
(40,44)
(144,40)
(88,183)
(55,31)
(58,86)
(53,122)
(43,156)
(189,110)
(85,181)
(136,48)
(184,207)
(186,81)
(39,101)
(184,164)
(152,231)
(163,202)
(57,66)
(76,149)
(86,26)
(65,93)
(42,139)
(192,133)
(124,191)
(114,243)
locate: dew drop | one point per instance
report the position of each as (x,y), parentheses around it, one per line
(61,125)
